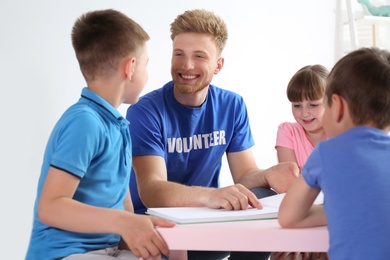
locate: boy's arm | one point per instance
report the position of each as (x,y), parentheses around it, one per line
(297,209)
(128,205)
(57,208)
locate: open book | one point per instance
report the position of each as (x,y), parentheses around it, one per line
(186,215)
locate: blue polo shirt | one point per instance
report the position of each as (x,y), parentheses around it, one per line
(92,142)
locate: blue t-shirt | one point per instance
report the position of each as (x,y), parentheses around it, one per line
(353,171)
(191,140)
(90,141)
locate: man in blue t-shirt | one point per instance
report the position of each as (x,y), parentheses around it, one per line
(181,131)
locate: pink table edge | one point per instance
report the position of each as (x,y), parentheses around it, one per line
(255,235)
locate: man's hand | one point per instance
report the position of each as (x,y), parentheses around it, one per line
(282,175)
(234,197)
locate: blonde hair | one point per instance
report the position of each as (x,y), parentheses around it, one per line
(201,21)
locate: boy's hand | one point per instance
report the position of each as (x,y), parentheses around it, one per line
(142,238)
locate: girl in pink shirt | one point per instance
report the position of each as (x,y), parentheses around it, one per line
(296,140)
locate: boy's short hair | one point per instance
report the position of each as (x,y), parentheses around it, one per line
(307,83)
(201,21)
(362,78)
(101,39)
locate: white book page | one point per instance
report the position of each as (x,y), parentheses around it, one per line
(276,200)
(203,214)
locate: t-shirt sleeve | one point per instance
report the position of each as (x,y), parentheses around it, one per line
(242,137)
(145,130)
(284,136)
(77,144)
(312,169)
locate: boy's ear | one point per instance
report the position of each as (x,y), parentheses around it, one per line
(339,107)
(220,63)
(129,67)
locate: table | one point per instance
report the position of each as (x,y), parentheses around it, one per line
(255,235)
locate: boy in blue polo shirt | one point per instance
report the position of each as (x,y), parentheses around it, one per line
(83,208)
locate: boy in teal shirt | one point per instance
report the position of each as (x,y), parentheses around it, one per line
(83,208)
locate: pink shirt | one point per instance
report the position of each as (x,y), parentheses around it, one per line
(292,136)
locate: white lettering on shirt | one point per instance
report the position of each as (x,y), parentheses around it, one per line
(200,141)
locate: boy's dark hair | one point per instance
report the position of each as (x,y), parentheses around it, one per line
(307,83)
(201,21)
(362,78)
(101,39)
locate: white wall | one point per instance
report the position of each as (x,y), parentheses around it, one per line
(268,42)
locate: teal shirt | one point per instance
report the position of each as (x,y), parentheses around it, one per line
(92,142)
